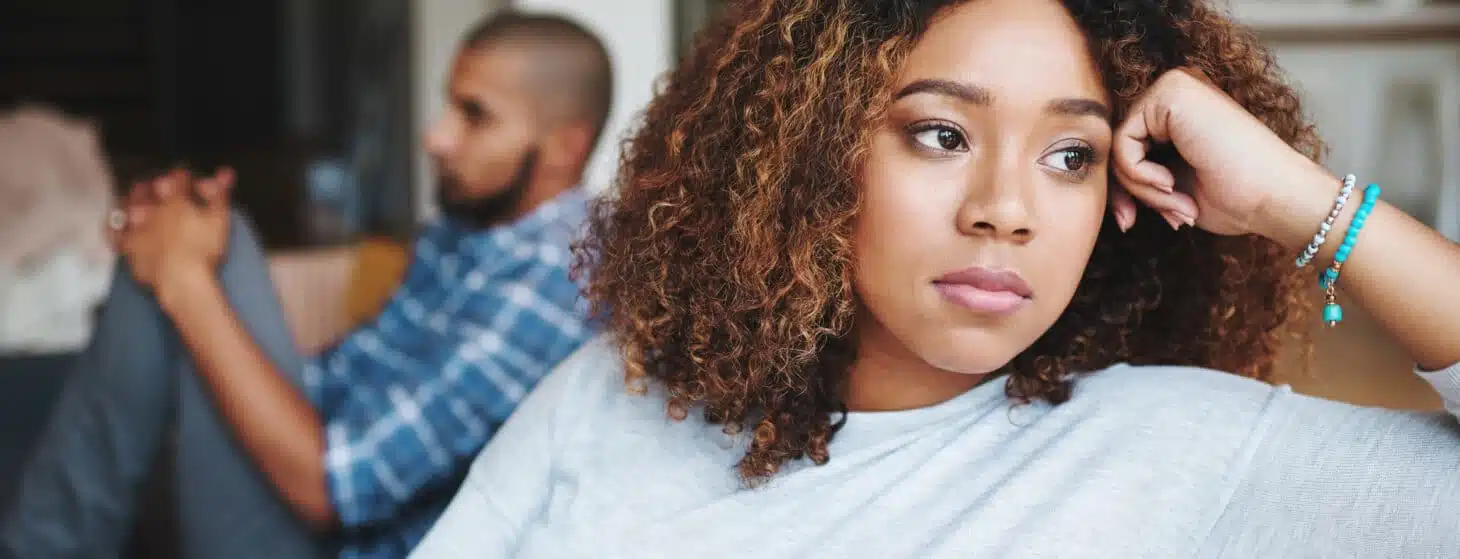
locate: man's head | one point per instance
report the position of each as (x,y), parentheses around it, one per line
(527,99)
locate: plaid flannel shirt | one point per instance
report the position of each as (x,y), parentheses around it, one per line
(409,399)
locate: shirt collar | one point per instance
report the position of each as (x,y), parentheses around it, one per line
(563,213)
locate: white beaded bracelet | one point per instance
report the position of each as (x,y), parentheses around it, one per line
(1323,228)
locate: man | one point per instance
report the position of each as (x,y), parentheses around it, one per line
(365,443)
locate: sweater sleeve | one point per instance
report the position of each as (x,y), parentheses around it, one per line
(1447,383)
(1328,479)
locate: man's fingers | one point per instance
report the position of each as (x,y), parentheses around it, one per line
(180,181)
(138,216)
(227,175)
(215,189)
(177,181)
(137,193)
(146,198)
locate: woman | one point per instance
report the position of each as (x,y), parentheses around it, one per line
(860,255)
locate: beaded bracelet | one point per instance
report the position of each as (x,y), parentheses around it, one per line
(1323,228)
(1328,280)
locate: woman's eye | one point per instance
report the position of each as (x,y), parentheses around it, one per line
(940,138)
(1071,159)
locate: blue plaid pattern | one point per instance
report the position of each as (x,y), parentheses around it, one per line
(410,399)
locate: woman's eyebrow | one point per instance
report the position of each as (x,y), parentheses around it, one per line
(1079,107)
(963,91)
(981,96)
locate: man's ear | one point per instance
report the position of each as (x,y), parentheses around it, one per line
(569,144)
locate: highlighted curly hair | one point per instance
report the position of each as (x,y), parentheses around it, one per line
(723,266)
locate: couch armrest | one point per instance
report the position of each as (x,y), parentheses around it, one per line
(313,286)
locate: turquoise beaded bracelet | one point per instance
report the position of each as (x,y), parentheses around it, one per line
(1328,280)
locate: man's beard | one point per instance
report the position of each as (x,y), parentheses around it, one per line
(491,209)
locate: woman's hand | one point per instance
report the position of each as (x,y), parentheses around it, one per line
(1234,172)
(1237,177)
(179,231)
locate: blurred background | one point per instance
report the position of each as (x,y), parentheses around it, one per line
(319,104)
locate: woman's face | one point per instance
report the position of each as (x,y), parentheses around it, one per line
(984,189)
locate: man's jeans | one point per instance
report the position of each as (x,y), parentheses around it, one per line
(134,387)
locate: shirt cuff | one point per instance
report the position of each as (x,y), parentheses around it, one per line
(1446,381)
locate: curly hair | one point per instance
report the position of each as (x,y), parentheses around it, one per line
(722,267)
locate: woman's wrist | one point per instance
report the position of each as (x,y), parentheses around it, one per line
(1292,214)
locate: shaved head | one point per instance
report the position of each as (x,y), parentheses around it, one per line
(527,99)
(571,75)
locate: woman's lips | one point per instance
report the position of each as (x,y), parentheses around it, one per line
(981,300)
(985,290)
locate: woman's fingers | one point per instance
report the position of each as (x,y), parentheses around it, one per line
(1123,207)
(1178,208)
(1152,183)
(1132,167)
(1146,125)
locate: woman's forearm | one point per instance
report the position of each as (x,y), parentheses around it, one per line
(1404,274)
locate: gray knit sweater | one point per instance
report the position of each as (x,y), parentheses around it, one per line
(1155,462)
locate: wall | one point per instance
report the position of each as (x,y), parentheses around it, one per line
(1382,82)
(640,38)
